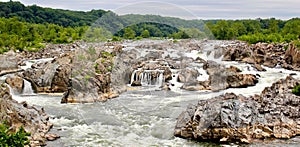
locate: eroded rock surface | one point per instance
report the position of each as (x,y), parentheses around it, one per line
(229,118)
(34,120)
(50,76)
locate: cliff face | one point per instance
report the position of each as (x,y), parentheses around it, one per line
(33,120)
(230,117)
(292,56)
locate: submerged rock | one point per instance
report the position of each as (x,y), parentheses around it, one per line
(229,118)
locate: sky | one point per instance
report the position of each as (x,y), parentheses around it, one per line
(188,9)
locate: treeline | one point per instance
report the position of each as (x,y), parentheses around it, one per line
(30,27)
(18,35)
(40,15)
(151,29)
(259,30)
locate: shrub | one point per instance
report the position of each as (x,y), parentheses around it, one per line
(8,138)
(297,44)
(296,90)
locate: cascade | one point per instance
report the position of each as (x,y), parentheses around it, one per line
(148,77)
(27,90)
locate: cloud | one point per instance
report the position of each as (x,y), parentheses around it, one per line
(204,9)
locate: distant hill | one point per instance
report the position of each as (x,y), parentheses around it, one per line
(40,15)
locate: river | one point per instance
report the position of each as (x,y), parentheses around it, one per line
(141,116)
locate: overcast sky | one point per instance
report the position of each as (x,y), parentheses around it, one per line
(191,9)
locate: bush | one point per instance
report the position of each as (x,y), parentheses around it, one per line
(297,44)
(8,138)
(296,90)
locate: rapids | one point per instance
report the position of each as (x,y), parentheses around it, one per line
(141,116)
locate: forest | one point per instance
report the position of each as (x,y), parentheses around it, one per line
(31,27)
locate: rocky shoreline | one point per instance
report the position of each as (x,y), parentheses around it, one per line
(33,119)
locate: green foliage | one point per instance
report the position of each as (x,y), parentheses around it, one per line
(106,55)
(17,139)
(297,44)
(129,33)
(259,30)
(145,34)
(18,35)
(151,29)
(116,38)
(97,34)
(36,14)
(296,90)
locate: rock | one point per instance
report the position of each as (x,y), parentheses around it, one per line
(103,77)
(234,69)
(241,80)
(136,83)
(166,87)
(292,56)
(231,118)
(8,62)
(51,76)
(16,83)
(60,81)
(197,86)
(221,78)
(34,120)
(269,55)
(199,60)
(51,137)
(258,67)
(188,75)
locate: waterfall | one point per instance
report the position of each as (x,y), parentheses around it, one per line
(148,77)
(27,90)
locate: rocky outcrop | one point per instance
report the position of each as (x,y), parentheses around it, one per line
(9,63)
(265,54)
(292,57)
(51,76)
(34,120)
(229,118)
(16,83)
(92,79)
(221,78)
(50,51)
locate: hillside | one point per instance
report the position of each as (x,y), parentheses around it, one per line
(36,14)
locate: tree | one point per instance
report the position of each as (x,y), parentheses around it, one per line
(129,33)
(145,34)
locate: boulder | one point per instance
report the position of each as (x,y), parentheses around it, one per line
(8,62)
(231,118)
(292,56)
(241,80)
(136,83)
(197,86)
(51,76)
(258,67)
(16,83)
(188,75)
(221,78)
